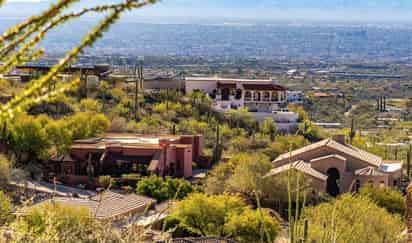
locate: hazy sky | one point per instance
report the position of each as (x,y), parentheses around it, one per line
(339,10)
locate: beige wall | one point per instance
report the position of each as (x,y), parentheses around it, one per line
(325,164)
(346,168)
(374,180)
(206,86)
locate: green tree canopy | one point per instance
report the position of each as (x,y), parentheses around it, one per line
(241,174)
(87,124)
(245,227)
(352,219)
(163,189)
(386,197)
(5,171)
(6,209)
(59,223)
(224,215)
(28,136)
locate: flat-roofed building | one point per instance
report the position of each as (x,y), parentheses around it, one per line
(118,154)
(257,95)
(92,73)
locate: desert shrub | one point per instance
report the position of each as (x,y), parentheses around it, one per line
(163,189)
(53,222)
(6,209)
(352,219)
(5,170)
(225,216)
(385,197)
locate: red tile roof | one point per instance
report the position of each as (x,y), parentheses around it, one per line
(226,85)
(301,166)
(347,149)
(110,205)
(270,87)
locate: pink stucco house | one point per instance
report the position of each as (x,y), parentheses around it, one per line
(117,154)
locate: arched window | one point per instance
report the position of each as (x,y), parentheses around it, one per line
(238,94)
(275,96)
(256,96)
(266,96)
(248,96)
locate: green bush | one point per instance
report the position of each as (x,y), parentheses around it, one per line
(5,170)
(172,224)
(6,209)
(58,223)
(385,197)
(224,216)
(352,219)
(163,189)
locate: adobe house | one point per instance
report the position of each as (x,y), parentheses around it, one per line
(118,154)
(335,166)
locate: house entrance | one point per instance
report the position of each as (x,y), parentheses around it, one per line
(225,94)
(332,187)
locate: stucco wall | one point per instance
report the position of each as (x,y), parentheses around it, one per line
(325,164)
(184,160)
(346,168)
(206,86)
(374,180)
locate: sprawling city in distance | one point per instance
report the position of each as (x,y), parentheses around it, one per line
(205,121)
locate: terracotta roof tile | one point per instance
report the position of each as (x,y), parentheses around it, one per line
(112,204)
(343,148)
(301,166)
(327,157)
(369,171)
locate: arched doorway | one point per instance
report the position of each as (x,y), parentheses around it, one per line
(332,187)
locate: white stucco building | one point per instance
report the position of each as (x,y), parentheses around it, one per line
(262,97)
(255,95)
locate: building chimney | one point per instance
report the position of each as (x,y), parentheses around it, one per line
(340,138)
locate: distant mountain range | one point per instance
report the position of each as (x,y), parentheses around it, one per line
(253,4)
(292,9)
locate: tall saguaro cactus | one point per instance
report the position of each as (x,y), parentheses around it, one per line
(217,149)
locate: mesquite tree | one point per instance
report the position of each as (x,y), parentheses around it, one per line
(19,44)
